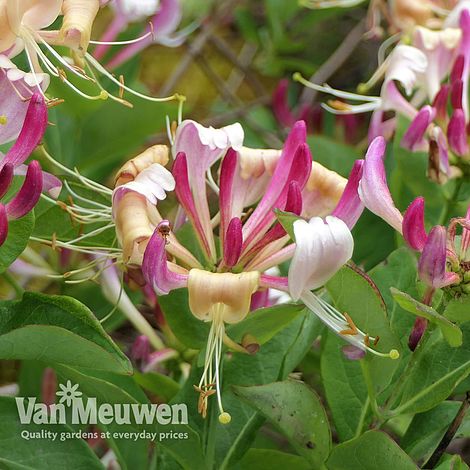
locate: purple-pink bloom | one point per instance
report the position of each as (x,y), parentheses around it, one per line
(350,206)
(414,232)
(457,133)
(373,187)
(414,135)
(433,260)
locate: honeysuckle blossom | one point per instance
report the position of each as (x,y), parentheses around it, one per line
(323,246)
(12,163)
(23,22)
(166,16)
(375,194)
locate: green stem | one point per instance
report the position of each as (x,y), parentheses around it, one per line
(370,388)
(450,203)
(362,418)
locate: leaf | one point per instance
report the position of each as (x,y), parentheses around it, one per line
(426,430)
(458,310)
(451,332)
(355,293)
(19,231)
(16,452)
(437,371)
(57,329)
(294,409)
(399,271)
(287,219)
(187,328)
(264,323)
(345,389)
(451,462)
(261,459)
(372,450)
(160,385)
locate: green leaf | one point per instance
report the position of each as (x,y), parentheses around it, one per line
(261,459)
(16,452)
(161,385)
(345,389)
(451,332)
(451,462)
(458,310)
(191,331)
(294,409)
(264,323)
(355,293)
(426,430)
(287,219)
(438,369)
(57,329)
(372,450)
(19,231)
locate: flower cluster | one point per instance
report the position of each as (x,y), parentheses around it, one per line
(240,239)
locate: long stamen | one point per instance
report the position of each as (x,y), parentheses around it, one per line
(122,43)
(343,325)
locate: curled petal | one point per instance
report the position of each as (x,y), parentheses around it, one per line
(50,183)
(350,206)
(456,94)
(322,247)
(33,129)
(413,138)
(457,133)
(77,23)
(414,232)
(432,264)
(233,242)
(373,188)
(6,175)
(3,224)
(28,196)
(153,183)
(155,265)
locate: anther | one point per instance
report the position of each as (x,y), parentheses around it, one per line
(353,331)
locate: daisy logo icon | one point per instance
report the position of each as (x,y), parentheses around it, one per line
(68,393)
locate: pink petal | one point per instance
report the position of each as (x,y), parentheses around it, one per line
(413,137)
(164,23)
(440,102)
(50,183)
(296,137)
(373,188)
(29,193)
(6,175)
(3,224)
(414,232)
(185,197)
(233,242)
(227,173)
(33,129)
(155,267)
(457,133)
(456,94)
(353,353)
(350,206)
(457,69)
(280,104)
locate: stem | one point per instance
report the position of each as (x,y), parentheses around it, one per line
(450,203)
(370,388)
(362,418)
(450,433)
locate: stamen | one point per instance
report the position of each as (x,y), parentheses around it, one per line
(122,43)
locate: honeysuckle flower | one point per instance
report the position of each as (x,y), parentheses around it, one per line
(166,17)
(23,23)
(26,198)
(221,288)
(323,246)
(375,194)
